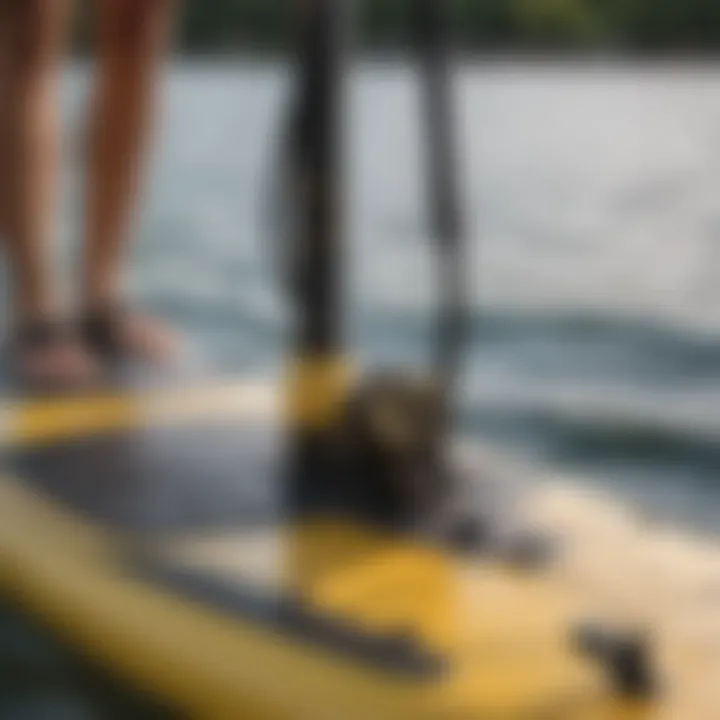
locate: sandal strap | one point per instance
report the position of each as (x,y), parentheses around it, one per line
(39,333)
(100,329)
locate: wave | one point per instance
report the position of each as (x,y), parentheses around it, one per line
(597,440)
(573,344)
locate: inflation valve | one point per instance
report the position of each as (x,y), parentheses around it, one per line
(625,655)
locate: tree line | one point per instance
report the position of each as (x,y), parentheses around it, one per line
(482,25)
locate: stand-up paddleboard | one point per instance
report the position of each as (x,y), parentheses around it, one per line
(153,534)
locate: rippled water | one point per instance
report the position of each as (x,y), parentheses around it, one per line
(593,195)
(593,198)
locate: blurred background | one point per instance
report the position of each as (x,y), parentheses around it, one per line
(590,137)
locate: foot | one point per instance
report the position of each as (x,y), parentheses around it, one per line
(45,354)
(116,333)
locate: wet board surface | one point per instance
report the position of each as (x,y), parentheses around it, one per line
(151,531)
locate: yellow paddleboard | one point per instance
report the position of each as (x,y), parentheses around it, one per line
(149,532)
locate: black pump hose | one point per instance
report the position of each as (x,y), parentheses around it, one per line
(430,24)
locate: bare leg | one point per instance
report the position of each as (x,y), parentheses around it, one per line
(33,44)
(5,55)
(132,39)
(35,30)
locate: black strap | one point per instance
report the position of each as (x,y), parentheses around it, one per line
(101,330)
(38,334)
(431,34)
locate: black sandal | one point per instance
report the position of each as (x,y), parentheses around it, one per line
(34,336)
(101,330)
(104,332)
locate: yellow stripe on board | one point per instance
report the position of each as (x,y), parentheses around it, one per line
(34,422)
(313,394)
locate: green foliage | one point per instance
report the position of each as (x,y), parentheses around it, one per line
(216,25)
(556,22)
(223,24)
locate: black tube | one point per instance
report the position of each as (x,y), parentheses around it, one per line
(316,173)
(317,155)
(431,33)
